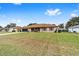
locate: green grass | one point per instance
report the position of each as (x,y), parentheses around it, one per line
(39,44)
(4,32)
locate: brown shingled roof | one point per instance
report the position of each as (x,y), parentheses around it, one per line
(40,26)
(18,27)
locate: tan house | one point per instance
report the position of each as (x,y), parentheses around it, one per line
(19,28)
(35,28)
(40,28)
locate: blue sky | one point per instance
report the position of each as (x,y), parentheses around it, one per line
(23,14)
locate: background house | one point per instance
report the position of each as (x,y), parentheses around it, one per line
(74,29)
(18,28)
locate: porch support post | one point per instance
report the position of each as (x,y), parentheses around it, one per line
(47,29)
(29,30)
(41,30)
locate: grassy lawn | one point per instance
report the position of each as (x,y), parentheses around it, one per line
(4,32)
(32,44)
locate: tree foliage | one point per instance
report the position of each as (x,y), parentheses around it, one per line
(61,25)
(11,25)
(72,22)
(1,28)
(31,24)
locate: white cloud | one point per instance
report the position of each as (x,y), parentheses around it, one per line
(13,20)
(17,3)
(17,20)
(53,12)
(73,15)
(59,13)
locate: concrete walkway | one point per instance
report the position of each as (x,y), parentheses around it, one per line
(8,33)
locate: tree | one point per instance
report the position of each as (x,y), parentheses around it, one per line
(1,28)
(8,26)
(72,22)
(31,24)
(61,25)
(11,25)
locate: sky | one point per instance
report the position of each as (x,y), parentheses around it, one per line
(49,13)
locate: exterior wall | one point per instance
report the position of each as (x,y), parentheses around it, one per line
(3,30)
(55,29)
(29,30)
(11,29)
(47,30)
(15,30)
(74,29)
(41,30)
(70,29)
(21,30)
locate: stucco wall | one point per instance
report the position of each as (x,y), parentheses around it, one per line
(11,29)
(29,30)
(74,29)
(47,30)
